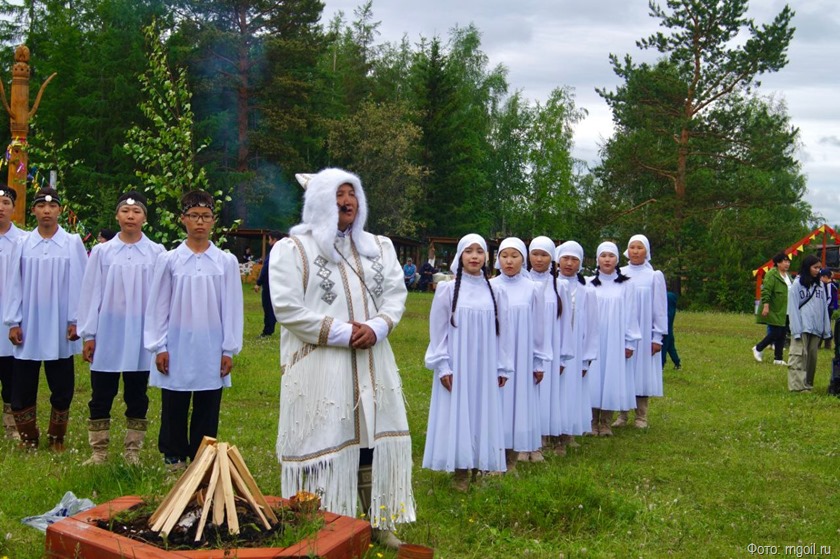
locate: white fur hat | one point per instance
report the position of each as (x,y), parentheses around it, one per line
(320,213)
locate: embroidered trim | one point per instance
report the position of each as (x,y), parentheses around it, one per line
(378,267)
(320,453)
(323,336)
(387,320)
(388,434)
(136,423)
(329,296)
(305,261)
(99,424)
(361,275)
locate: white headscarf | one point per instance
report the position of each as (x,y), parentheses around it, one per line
(569,248)
(466,241)
(644,240)
(320,214)
(513,242)
(606,246)
(542,243)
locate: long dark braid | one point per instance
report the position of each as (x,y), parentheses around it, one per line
(554,284)
(492,296)
(581,279)
(458,275)
(621,277)
(596,281)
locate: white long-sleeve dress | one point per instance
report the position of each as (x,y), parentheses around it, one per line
(112,307)
(613,387)
(551,419)
(531,348)
(576,408)
(42,294)
(652,305)
(465,428)
(195,312)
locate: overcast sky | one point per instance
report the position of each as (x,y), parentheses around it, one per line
(549,43)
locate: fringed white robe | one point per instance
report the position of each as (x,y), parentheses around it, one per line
(334,399)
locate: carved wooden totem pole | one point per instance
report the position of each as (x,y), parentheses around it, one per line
(19,115)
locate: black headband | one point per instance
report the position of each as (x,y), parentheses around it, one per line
(46,197)
(9,193)
(200,204)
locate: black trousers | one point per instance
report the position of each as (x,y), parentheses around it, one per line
(104,388)
(7,365)
(269,320)
(61,378)
(776,336)
(181,433)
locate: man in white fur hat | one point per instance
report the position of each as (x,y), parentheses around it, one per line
(338,291)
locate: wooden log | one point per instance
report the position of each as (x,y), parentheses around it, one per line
(208,499)
(239,483)
(205,442)
(239,462)
(187,490)
(227,486)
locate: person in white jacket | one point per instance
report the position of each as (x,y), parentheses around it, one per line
(809,323)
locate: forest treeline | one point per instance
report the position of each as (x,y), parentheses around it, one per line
(243,95)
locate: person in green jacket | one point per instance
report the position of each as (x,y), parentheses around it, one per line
(772,310)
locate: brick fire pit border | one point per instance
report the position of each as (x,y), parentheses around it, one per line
(78,536)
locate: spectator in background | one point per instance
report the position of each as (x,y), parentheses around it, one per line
(830,287)
(269,320)
(105,235)
(410,273)
(247,256)
(669,348)
(808,313)
(427,273)
(773,309)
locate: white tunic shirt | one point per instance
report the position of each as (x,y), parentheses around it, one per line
(7,245)
(113,301)
(465,425)
(612,387)
(195,312)
(531,347)
(43,295)
(652,304)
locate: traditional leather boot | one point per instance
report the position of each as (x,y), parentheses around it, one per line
(461,481)
(511,456)
(57,429)
(604,427)
(569,441)
(641,412)
(135,434)
(27,427)
(559,447)
(621,421)
(98,436)
(596,423)
(385,538)
(9,423)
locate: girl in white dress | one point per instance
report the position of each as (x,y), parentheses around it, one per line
(557,324)
(652,302)
(612,387)
(465,430)
(583,311)
(531,348)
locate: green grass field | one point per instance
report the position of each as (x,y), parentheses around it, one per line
(731,460)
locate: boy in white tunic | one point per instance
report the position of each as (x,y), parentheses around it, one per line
(115,291)
(531,349)
(9,234)
(41,309)
(338,293)
(193,325)
(652,305)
